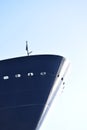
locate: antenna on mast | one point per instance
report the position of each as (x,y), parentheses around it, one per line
(28,53)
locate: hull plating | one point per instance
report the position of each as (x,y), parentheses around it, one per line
(25,86)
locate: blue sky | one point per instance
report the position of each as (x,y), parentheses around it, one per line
(53,27)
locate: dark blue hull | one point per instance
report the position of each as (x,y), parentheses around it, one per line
(25,85)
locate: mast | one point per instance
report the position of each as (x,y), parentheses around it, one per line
(28,52)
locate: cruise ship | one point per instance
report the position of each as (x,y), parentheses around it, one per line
(28,85)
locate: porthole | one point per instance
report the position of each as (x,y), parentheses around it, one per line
(30,74)
(5,77)
(43,73)
(17,75)
(58,75)
(62,78)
